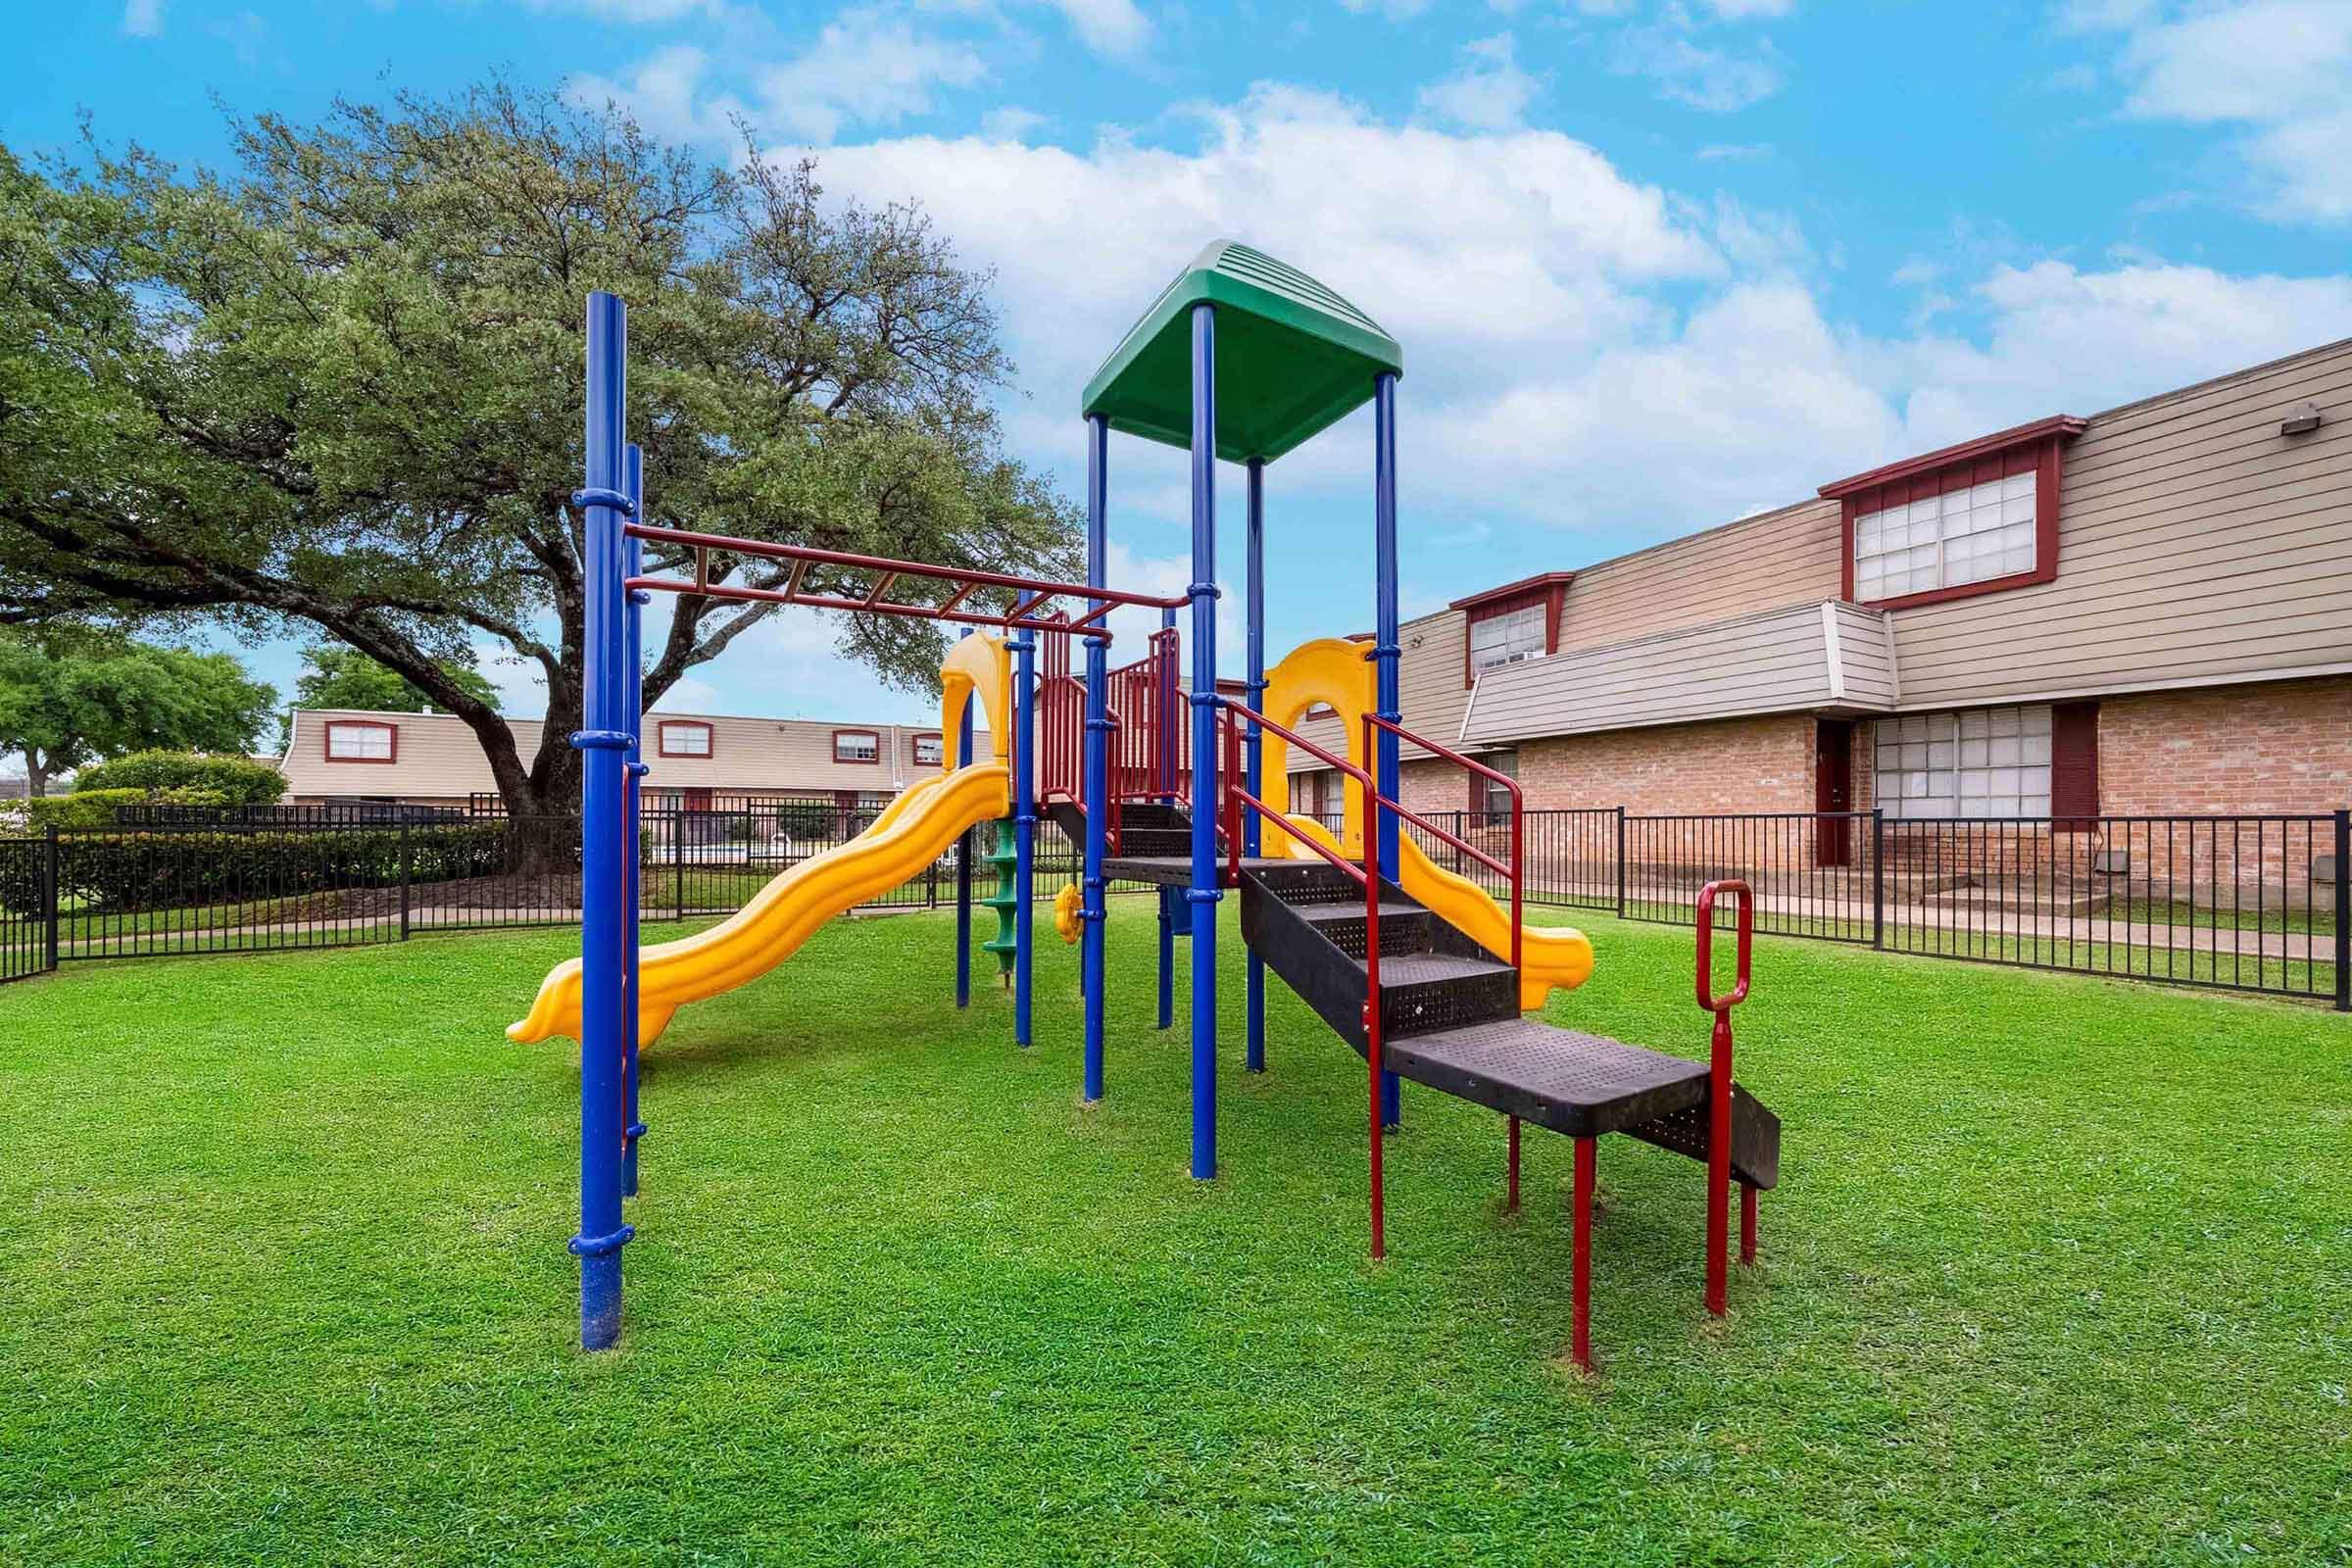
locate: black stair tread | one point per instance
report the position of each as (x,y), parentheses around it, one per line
(1420,969)
(1173,869)
(1351,909)
(1574,1083)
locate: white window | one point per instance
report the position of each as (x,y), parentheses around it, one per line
(1495,801)
(1507,638)
(360,742)
(1946,541)
(1987,761)
(685,740)
(930,750)
(856,745)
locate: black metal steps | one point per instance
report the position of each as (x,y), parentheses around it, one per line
(1450,1020)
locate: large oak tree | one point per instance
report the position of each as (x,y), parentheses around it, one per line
(339,387)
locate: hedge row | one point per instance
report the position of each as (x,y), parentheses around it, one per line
(237,780)
(85,809)
(126,872)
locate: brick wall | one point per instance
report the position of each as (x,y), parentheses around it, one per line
(2285,746)
(1734,764)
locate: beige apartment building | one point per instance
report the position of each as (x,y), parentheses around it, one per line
(694,761)
(2142,612)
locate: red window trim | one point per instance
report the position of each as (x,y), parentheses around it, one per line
(662,730)
(1549,589)
(914,745)
(326,741)
(2037,448)
(873,735)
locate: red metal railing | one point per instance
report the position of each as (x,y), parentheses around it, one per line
(1373,725)
(1149,755)
(1237,797)
(1719,1091)
(1028,595)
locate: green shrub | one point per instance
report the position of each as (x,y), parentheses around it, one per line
(86,810)
(133,872)
(236,780)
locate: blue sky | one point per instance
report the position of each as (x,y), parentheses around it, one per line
(1655,265)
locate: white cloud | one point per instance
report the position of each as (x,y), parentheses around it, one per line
(2063,339)
(1747,9)
(1490,93)
(665,95)
(1009,122)
(1726,152)
(1689,73)
(1393,9)
(863,68)
(1601,354)
(1108,26)
(2281,67)
(144,18)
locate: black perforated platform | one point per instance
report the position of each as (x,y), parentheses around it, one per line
(1172,871)
(1579,1084)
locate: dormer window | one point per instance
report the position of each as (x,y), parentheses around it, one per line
(1973,519)
(362,740)
(1507,638)
(1511,624)
(686,737)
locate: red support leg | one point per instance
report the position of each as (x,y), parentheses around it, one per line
(1580,1342)
(1510,1201)
(1719,1171)
(1748,1224)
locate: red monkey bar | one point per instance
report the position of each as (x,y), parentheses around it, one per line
(1031,607)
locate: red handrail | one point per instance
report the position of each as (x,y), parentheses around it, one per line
(1719,1088)
(1238,796)
(1373,722)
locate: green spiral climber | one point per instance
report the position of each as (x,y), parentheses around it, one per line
(1002,855)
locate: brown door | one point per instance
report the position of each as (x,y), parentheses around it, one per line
(1834,791)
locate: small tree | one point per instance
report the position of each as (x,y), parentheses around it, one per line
(69,695)
(339,391)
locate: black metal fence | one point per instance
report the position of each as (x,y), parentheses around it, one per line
(249,883)
(2240,903)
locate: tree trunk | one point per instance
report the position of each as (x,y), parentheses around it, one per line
(36,774)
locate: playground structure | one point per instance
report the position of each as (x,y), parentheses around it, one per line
(1418,969)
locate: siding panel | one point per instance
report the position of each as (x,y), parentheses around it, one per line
(2194,543)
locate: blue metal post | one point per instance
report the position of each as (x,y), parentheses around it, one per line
(632,677)
(964,868)
(1384,650)
(1166,783)
(1024,818)
(1098,754)
(1205,893)
(604,744)
(1252,771)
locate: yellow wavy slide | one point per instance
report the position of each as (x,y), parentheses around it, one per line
(912,832)
(1334,672)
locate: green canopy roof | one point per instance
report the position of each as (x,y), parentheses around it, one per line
(1292,357)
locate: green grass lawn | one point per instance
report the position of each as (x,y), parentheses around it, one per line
(2056,1274)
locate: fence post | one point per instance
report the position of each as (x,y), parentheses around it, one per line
(405,875)
(677,862)
(2344,925)
(50,900)
(1878,876)
(1621,862)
